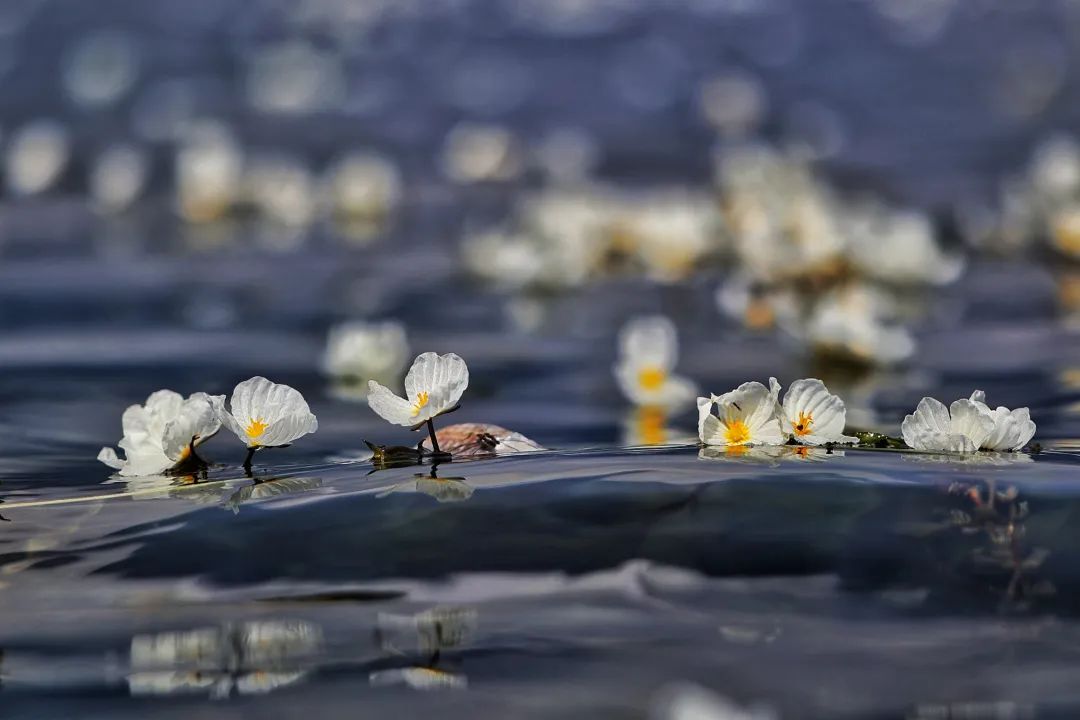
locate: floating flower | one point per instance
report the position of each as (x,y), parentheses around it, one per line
(648,351)
(265,414)
(433,386)
(1013,429)
(360,350)
(966,426)
(746,416)
(162,434)
(811,415)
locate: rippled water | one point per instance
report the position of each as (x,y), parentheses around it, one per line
(574,582)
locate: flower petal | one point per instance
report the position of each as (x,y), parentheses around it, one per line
(649,341)
(970,420)
(930,417)
(389,406)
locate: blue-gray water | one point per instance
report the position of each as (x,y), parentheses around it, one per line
(575,582)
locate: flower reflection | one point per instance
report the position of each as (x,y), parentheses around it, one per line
(451,489)
(426,635)
(686,701)
(647,426)
(243,659)
(769,454)
(262,489)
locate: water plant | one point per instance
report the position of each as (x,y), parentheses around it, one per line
(161,435)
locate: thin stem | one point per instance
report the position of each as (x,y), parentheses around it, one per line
(247,460)
(431,433)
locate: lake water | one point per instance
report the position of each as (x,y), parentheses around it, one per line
(590,579)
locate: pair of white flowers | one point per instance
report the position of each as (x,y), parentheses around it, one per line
(967,426)
(752,414)
(163,434)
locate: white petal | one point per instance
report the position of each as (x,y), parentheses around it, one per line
(810,398)
(931,441)
(978,396)
(389,406)
(109,457)
(445,375)
(970,420)
(768,433)
(197,421)
(930,417)
(649,341)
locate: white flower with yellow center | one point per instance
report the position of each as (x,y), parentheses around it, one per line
(361,350)
(433,386)
(966,426)
(162,434)
(648,351)
(265,414)
(811,415)
(1013,429)
(745,416)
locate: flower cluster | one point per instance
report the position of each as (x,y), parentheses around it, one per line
(161,436)
(752,414)
(967,426)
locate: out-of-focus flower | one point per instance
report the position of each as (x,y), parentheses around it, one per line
(266,414)
(745,416)
(899,247)
(36,156)
(440,628)
(475,153)
(433,386)
(118,177)
(851,323)
(811,415)
(363,189)
(358,351)
(672,232)
(209,169)
(163,433)
(648,352)
(280,187)
(968,425)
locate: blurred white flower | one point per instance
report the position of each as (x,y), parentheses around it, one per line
(811,415)
(648,352)
(420,678)
(161,434)
(36,156)
(433,386)
(363,186)
(968,425)
(475,153)
(359,350)
(266,414)
(209,169)
(898,247)
(745,416)
(852,323)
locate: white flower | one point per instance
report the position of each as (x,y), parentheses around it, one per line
(961,428)
(266,414)
(362,350)
(160,434)
(648,351)
(433,386)
(1013,429)
(812,415)
(746,416)
(854,322)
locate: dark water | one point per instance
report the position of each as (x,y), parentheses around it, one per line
(576,582)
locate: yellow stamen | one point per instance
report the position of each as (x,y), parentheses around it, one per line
(256,428)
(802,427)
(651,378)
(421,401)
(736,432)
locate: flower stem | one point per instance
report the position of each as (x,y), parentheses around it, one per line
(431,433)
(247,460)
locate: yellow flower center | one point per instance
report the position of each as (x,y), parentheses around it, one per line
(651,378)
(650,426)
(736,432)
(421,401)
(802,426)
(256,428)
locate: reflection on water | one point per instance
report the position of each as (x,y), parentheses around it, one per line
(244,659)
(425,637)
(443,489)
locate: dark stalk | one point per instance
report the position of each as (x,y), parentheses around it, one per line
(247,460)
